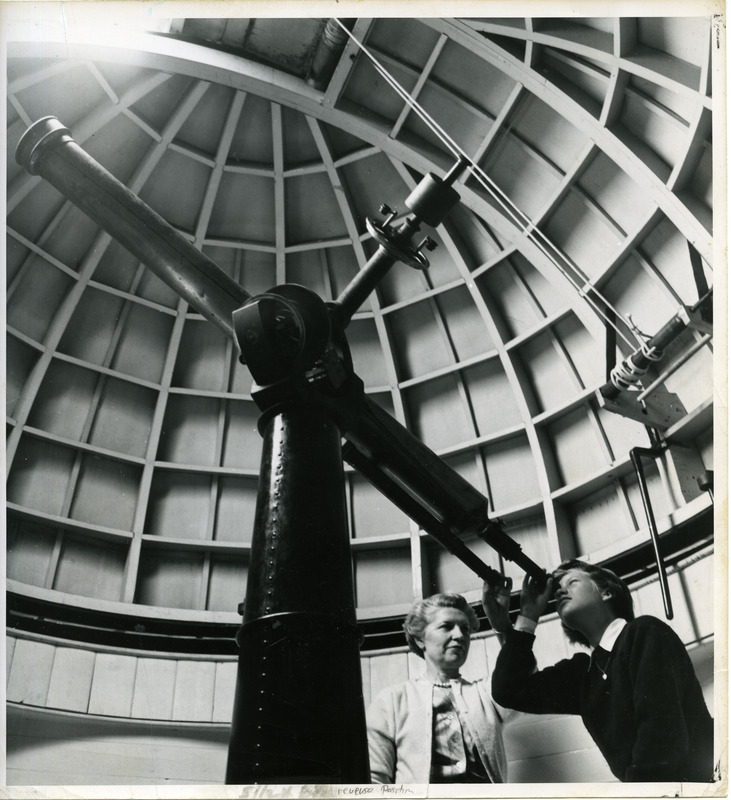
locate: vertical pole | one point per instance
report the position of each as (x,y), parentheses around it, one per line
(298,710)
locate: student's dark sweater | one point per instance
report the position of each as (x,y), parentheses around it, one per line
(647,717)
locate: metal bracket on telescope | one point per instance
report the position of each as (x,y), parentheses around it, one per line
(430,203)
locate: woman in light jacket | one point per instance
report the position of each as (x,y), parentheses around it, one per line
(440,728)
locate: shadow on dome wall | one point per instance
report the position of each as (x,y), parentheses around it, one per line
(299,608)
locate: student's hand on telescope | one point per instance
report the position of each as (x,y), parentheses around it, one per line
(496,602)
(533,601)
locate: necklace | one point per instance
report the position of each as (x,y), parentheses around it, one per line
(599,667)
(445,684)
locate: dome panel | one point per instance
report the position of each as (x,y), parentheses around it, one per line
(203,358)
(226,583)
(700,184)
(170,579)
(33,215)
(418,345)
(621,434)
(29,551)
(241,445)
(405,39)
(472,238)
(468,76)
(367,353)
(91,329)
(181,207)
(685,38)
(15,255)
(551,378)
(464,123)
(122,77)
(202,128)
(123,418)
(615,192)
(37,296)
(668,252)
(370,567)
(21,360)
(544,130)
(492,397)
(307,220)
(651,125)
(41,476)
(632,291)
(596,514)
(582,234)
(549,298)
(401,284)
(252,140)
(65,401)
(465,326)
(70,94)
(235,505)
(513,310)
(526,179)
(584,81)
(105,492)
(90,568)
(436,413)
(299,147)
(141,328)
(580,350)
(342,143)
(119,147)
(577,31)
(577,450)
(368,90)
(178,506)
(151,288)
(370,182)
(254,269)
(668,104)
(504,460)
(159,104)
(310,268)
(342,266)
(117,268)
(71,239)
(371,514)
(189,431)
(244,209)
(15,129)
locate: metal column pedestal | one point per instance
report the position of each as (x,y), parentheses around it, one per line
(298,712)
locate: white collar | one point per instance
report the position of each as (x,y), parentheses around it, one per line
(611,634)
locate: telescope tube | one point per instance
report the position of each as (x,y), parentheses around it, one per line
(47,149)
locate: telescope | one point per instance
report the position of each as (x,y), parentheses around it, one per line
(298,711)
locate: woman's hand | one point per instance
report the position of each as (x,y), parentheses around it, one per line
(533,602)
(496,602)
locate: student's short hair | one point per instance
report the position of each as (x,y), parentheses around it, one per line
(420,613)
(606,581)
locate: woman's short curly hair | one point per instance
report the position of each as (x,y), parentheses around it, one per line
(420,615)
(606,581)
